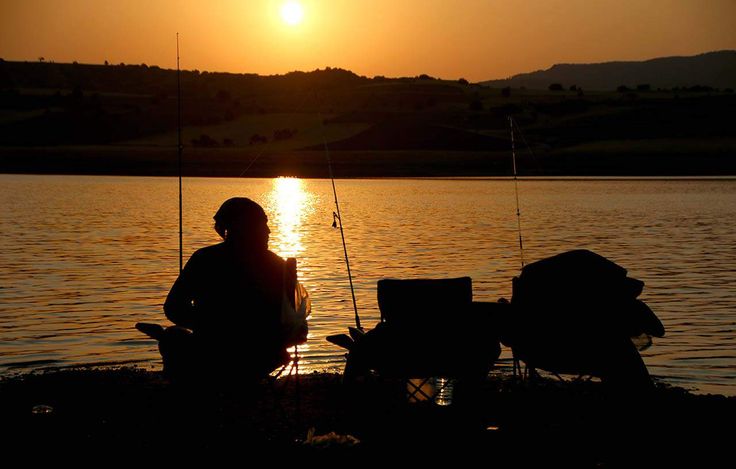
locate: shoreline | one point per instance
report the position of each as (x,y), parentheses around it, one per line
(139,412)
(502,370)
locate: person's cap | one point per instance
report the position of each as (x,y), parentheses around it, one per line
(239,208)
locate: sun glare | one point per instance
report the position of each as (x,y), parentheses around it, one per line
(288,203)
(292,13)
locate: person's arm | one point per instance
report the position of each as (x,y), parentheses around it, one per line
(179,306)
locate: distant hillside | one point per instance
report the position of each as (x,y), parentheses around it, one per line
(714,69)
(122,119)
(409,133)
(44,103)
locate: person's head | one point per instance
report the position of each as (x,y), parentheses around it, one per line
(240,220)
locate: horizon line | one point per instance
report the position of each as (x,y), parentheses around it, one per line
(328,67)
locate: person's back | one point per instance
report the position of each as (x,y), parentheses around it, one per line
(231,303)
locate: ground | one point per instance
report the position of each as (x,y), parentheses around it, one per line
(580,424)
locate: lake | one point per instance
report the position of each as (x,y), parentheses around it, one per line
(86,257)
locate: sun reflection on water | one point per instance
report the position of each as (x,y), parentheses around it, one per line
(288,204)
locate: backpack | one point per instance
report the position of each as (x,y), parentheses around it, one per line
(295,307)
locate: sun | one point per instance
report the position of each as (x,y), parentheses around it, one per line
(292,13)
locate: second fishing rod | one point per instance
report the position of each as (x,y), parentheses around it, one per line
(337,222)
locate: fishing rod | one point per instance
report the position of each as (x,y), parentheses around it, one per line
(515,359)
(337,221)
(516,191)
(179,150)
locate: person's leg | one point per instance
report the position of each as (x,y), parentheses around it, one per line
(178,350)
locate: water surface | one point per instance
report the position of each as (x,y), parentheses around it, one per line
(85,257)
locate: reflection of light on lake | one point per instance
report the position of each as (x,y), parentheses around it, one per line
(288,205)
(288,201)
(303,351)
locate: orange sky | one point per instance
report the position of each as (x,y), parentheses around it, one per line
(475,39)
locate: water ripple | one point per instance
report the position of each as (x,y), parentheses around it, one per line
(84,258)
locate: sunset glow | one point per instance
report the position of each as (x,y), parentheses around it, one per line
(470,39)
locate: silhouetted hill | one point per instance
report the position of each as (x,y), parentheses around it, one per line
(122,119)
(45,103)
(153,80)
(714,69)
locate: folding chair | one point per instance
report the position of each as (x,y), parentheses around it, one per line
(295,329)
(429,328)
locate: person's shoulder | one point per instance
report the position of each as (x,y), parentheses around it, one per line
(274,258)
(209,252)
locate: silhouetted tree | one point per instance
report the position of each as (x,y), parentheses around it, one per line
(644,87)
(77,94)
(283,134)
(555,87)
(573,88)
(623,89)
(204,140)
(256,139)
(700,89)
(475,104)
(463,81)
(106,62)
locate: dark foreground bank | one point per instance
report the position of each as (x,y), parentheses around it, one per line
(130,411)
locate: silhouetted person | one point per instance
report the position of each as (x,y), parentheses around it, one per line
(227,303)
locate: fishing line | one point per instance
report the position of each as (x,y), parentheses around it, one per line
(523,138)
(179,150)
(529,148)
(263,150)
(337,221)
(516,191)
